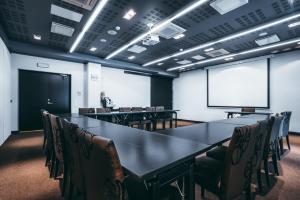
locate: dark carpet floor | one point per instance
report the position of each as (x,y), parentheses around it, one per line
(23,175)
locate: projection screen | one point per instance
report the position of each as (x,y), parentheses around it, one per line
(239,85)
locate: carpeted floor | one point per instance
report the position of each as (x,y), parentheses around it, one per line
(23,175)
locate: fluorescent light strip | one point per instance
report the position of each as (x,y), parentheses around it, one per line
(227,38)
(236,54)
(178,14)
(88,24)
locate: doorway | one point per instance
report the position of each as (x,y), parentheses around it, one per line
(42,90)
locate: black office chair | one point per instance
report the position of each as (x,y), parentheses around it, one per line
(162,117)
(285,129)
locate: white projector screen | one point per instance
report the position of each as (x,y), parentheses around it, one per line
(240,85)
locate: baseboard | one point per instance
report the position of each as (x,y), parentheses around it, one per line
(15,132)
(294,133)
(187,120)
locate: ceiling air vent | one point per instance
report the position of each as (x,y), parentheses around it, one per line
(225,6)
(62,29)
(86,4)
(137,49)
(170,31)
(267,40)
(184,62)
(216,53)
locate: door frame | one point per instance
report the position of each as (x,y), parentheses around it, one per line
(35,71)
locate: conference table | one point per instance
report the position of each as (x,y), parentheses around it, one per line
(231,113)
(149,157)
(161,157)
(121,117)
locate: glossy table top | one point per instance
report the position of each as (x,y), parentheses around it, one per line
(208,133)
(241,112)
(64,115)
(143,154)
(239,120)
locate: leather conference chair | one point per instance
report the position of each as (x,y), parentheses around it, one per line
(86,110)
(49,148)
(285,129)
(58,143)
(162,117)
(103,175)
(44,129)
(262,145)
(73,170)
(136,119)
(229,178)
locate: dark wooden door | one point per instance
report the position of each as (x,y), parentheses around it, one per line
(162,92)
(40,90)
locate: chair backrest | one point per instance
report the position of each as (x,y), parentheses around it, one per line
(246,109)
(58,141)
(102,110)
(262,141)
(125,109)
(103,175)
(136,109)
(48,130)
(159,108)
(86,110)
(268,138)
(150,109)
(72,159)
(286,122)
(278,119)
(238,161)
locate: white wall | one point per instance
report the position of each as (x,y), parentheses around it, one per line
(126,89)
(190,89)
(5,67)
(76,70)
(87,83)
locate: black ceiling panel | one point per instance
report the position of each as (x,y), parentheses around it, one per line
(23,18)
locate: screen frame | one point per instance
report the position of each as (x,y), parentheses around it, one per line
(268,95)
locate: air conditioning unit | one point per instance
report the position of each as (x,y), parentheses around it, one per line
(151,40)
(218,52)
(170,30)
(86,4)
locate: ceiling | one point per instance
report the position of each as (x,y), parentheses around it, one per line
(23,18)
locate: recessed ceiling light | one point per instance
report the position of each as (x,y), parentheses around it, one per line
(217,52)
(37,37)
(131,57)
(89,23)
(159,64)
(275,51)
(292,25)
(229,37)
(93,49)
(180,49)
(175,59)
(263,34)
(112,32)
(225,6)
(209,49)
(267,40)
(287,49)
(117,28)
(181,35)
(230,58)
(198,57)
(65,13)
(129,14)
(103,40)
(298,43)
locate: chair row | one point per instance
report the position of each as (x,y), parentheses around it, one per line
(142,120)
(227,171)
(88,166)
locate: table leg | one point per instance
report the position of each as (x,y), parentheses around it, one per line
(189,183)
(155,190)
(175,119)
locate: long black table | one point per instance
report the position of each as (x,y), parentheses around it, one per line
(150,157)
(240,120)
(120,117)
